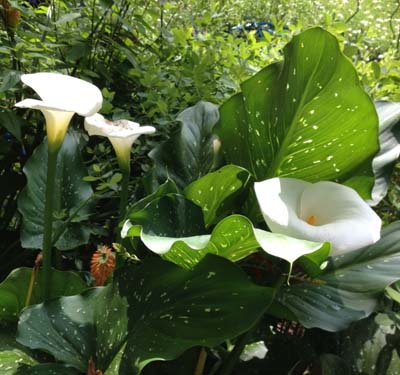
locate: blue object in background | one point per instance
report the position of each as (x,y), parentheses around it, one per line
(259,27)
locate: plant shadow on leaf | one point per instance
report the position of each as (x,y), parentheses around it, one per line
(72,193)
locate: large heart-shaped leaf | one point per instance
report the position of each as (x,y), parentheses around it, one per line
(307,117)
(168,310)
(206,306)
(191,152)
(14,289)
(71,193)
(389,140)
(214,191)
(78,328)
(350,289)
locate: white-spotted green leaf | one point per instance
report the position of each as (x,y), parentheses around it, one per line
(172,309)
(232,238)
(77,328)
(14,289)
(171,215)
(12,362)
(192,151)
(307,117)
(350,288)
(215,192)
(71,194)
(369,346)
(153,311)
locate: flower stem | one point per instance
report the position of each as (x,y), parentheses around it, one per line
(201,362)
(123,197)
(48,221)
(124,193)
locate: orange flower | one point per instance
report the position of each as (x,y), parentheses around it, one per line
(9,15)
(102,264)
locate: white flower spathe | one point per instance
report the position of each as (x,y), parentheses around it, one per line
(61,97)
(121,133)
(322,212)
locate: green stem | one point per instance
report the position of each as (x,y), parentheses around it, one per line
(124,193)
(125,169)
(48,221)
(64,226)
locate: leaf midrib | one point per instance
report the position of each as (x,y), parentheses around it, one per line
(274,167)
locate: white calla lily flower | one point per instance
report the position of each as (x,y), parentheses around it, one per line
(61,97)
(322,212)
(121,133)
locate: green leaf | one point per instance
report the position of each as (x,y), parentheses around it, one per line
(76,328)
(191,152)
(172,309)
(350,288)
(14,289)
(154,311)
(367,342)
(314,263)
(12,122)
(393,294)
(214,191)
(307,117)
(48,368)
(11,362)
(389,139)
(333,365)
(10,80)
(168,187)
(232,238)
(67,18)
(170,215)
(71,193)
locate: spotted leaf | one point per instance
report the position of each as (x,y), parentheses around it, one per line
(306,117)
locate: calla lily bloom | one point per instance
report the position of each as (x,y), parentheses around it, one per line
(121,133)
(322,212)
(61,97)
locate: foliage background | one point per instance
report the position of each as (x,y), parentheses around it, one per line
(152,59)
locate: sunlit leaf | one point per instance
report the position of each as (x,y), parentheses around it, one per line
(215,191)
(307,117)
(14,289)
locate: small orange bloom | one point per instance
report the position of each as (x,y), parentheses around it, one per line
(102,264)
(9,15)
